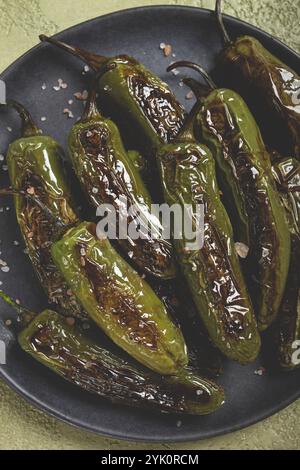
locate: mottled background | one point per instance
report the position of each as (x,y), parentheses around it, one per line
(22,426)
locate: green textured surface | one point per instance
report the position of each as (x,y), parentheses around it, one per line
(22,426)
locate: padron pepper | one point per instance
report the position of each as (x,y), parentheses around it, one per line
(204,357)
(35,168)
(109,174)
(139,161)
(64,349)
(287,175)
(226,125)
(212,272)
(119,300)
(133,95)
(266,81)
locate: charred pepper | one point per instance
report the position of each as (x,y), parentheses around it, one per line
(212,272)
(35,167)
(119,300)
(204,357)
(263,79)
(65,350)
(133,95)
(108,174)
(287,176)
(227,126)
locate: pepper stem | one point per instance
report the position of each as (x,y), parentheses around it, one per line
(187,132)
(194,66)
(219,16)
(95,61)
(199,90)
(91,110)
(26,316)
(29,127)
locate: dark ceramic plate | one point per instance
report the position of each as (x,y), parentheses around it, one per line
(139,32)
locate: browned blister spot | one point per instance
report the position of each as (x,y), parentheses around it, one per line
(264,241)
(99,372)
(159,106)
(42,342)
(223,288)
(106,185)
(121,306)
(39,235)
(94,140)
(274,84)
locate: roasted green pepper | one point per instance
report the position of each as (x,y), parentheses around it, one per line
(108,174)
(138,161)
(66,351)
(204,357)
(35,167)
(287,176)
(133,95)
(212,272)
(265,81)
(119,300)
(227,126)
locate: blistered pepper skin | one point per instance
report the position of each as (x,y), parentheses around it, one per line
(133,95)
(269,79)
(142,100)
(68,353)
(268,85)
(108,175)
(212,272)
(204,358)
(119,300)
(245,174)
(287,176)
(34,165)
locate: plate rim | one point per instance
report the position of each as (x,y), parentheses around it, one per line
(151,7)
(163,440)
(74,422)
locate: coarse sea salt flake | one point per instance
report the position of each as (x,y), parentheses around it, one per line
(241,249)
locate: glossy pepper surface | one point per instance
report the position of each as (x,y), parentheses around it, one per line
(287,175)
(266,79)
(228,128)
(50,339)
(204,358)
(138,96)
(212,272)
(109,174)
(68,353)
(35,167)
(119,300)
